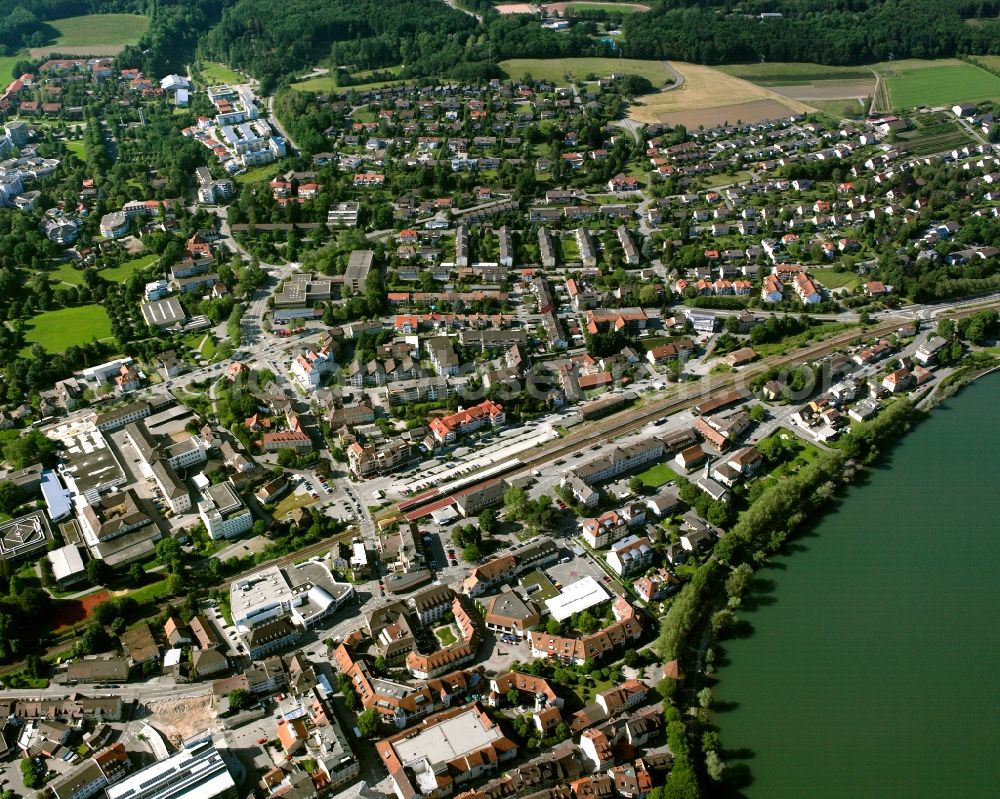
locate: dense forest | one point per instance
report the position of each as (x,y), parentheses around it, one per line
(431,39)
(174,31)
(426,35)
(825,31)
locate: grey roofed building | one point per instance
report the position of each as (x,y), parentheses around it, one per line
(98,670)
(430,598)
(663,502)
(67,564)
(208,661)
(163,313)
(119,417)
(172,487)
(81,782)
(274,634)
(359,264)
(24,535)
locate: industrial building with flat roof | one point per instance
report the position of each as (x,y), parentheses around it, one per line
(452,747)
(24,536)
(197,771)
(307,593)
(223,512)
(163,313)
(577,597)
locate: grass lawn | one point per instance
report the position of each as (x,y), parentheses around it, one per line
(947,84)
(656,475)
(56,330)
(839,109)
(94,30)
(148,593)
(119,274)
(76,147)
(67,274)
(7,63)
(816,333)
(446,635)
(259,174)
(833,279)
(290,502)
(556,69)
(781,73)
(802,453)
(586,691)
(326,84)
(214,73)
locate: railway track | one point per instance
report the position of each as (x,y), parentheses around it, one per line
(626,422)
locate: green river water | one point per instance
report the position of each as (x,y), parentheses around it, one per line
(873,668)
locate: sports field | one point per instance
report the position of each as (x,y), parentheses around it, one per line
(710,97)
(56,330)
(559,70)
(119,274)
(595,5)
(938,83)
(94,34)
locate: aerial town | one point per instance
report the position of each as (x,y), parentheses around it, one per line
(402,446)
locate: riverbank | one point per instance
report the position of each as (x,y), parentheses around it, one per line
(861,649)
(705,612)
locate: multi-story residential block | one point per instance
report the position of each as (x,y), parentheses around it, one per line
(223,512)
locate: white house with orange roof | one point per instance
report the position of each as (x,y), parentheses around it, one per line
(308,367)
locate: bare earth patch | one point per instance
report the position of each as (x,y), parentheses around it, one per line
(517,8)
(710,97)
(828,90)
(178,720)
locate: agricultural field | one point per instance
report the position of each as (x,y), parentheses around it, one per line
(989,61)
(935,133)
(119,274)
(786,74)
(559,70)
(213,73)
(56,330)
(94,34)
(937,83)
(711,97)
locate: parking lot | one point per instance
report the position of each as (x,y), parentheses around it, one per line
(564,574)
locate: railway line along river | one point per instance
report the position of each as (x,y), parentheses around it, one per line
(873,666)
